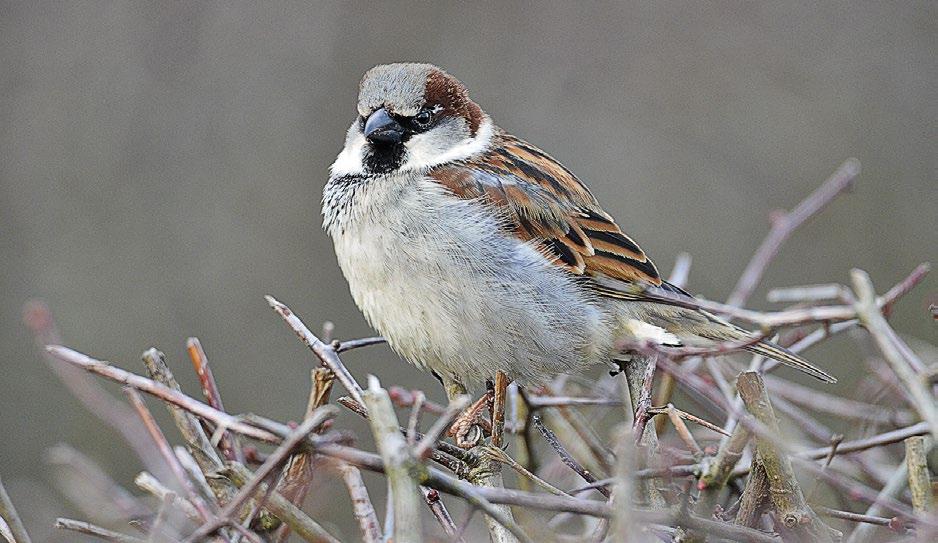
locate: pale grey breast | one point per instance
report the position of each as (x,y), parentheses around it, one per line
(437,276)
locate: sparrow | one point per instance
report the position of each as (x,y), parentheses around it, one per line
(472,251)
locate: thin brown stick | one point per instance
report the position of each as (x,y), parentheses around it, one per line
(297,474)
(326,354)
(402,397)
(430,440)
(362,507)
(565,456)
(197,441)
(298,521)
(893,523)
(166,451)
(349,344)
(229,443)
(432,497)
(644,399)
(161,391)
(498,408)
(784,224)
(720,469)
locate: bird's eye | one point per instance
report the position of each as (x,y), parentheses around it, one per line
(423,118)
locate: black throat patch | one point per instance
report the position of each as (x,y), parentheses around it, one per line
(383,159)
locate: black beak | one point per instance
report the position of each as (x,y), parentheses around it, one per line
(380,128)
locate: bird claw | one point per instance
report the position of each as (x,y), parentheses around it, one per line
(471,427)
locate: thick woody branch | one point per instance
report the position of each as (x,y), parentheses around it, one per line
(401,467)
(916,461)
(889,343)
(789,502)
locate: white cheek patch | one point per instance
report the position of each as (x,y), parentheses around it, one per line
(423,153)
(349,161)
(643,331)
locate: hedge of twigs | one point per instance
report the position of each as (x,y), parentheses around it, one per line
(622,458)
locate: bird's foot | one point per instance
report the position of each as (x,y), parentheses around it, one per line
(470,427)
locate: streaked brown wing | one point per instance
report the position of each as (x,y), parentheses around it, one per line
(546,203)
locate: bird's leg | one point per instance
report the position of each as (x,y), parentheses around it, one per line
(469,427)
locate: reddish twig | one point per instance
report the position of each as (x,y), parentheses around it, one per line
(229,444)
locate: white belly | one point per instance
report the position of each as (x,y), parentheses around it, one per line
(451,293)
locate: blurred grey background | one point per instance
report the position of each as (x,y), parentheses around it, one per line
(161,165)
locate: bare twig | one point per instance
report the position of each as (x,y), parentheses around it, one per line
(442,424)
(890,491)
(166,451)
(565,457)
(644,399)
(498,408)
(349,344)
(147,482)
(229,442)
(299,522)
(274,461)
(90,487)
(161,391)
(361,502)
(326,354)
(501,456)
(98,401)
(718,472)
(198,443)
(893,523)
(432,497)
(783,224)
(11,517)
(95,531)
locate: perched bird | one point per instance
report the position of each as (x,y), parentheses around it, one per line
(473,251)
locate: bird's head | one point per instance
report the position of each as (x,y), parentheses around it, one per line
(411,117)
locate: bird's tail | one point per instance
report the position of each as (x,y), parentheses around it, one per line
(783,355)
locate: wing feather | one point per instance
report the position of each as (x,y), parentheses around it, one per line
(545,203)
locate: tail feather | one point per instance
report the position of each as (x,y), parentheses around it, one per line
(783,355)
